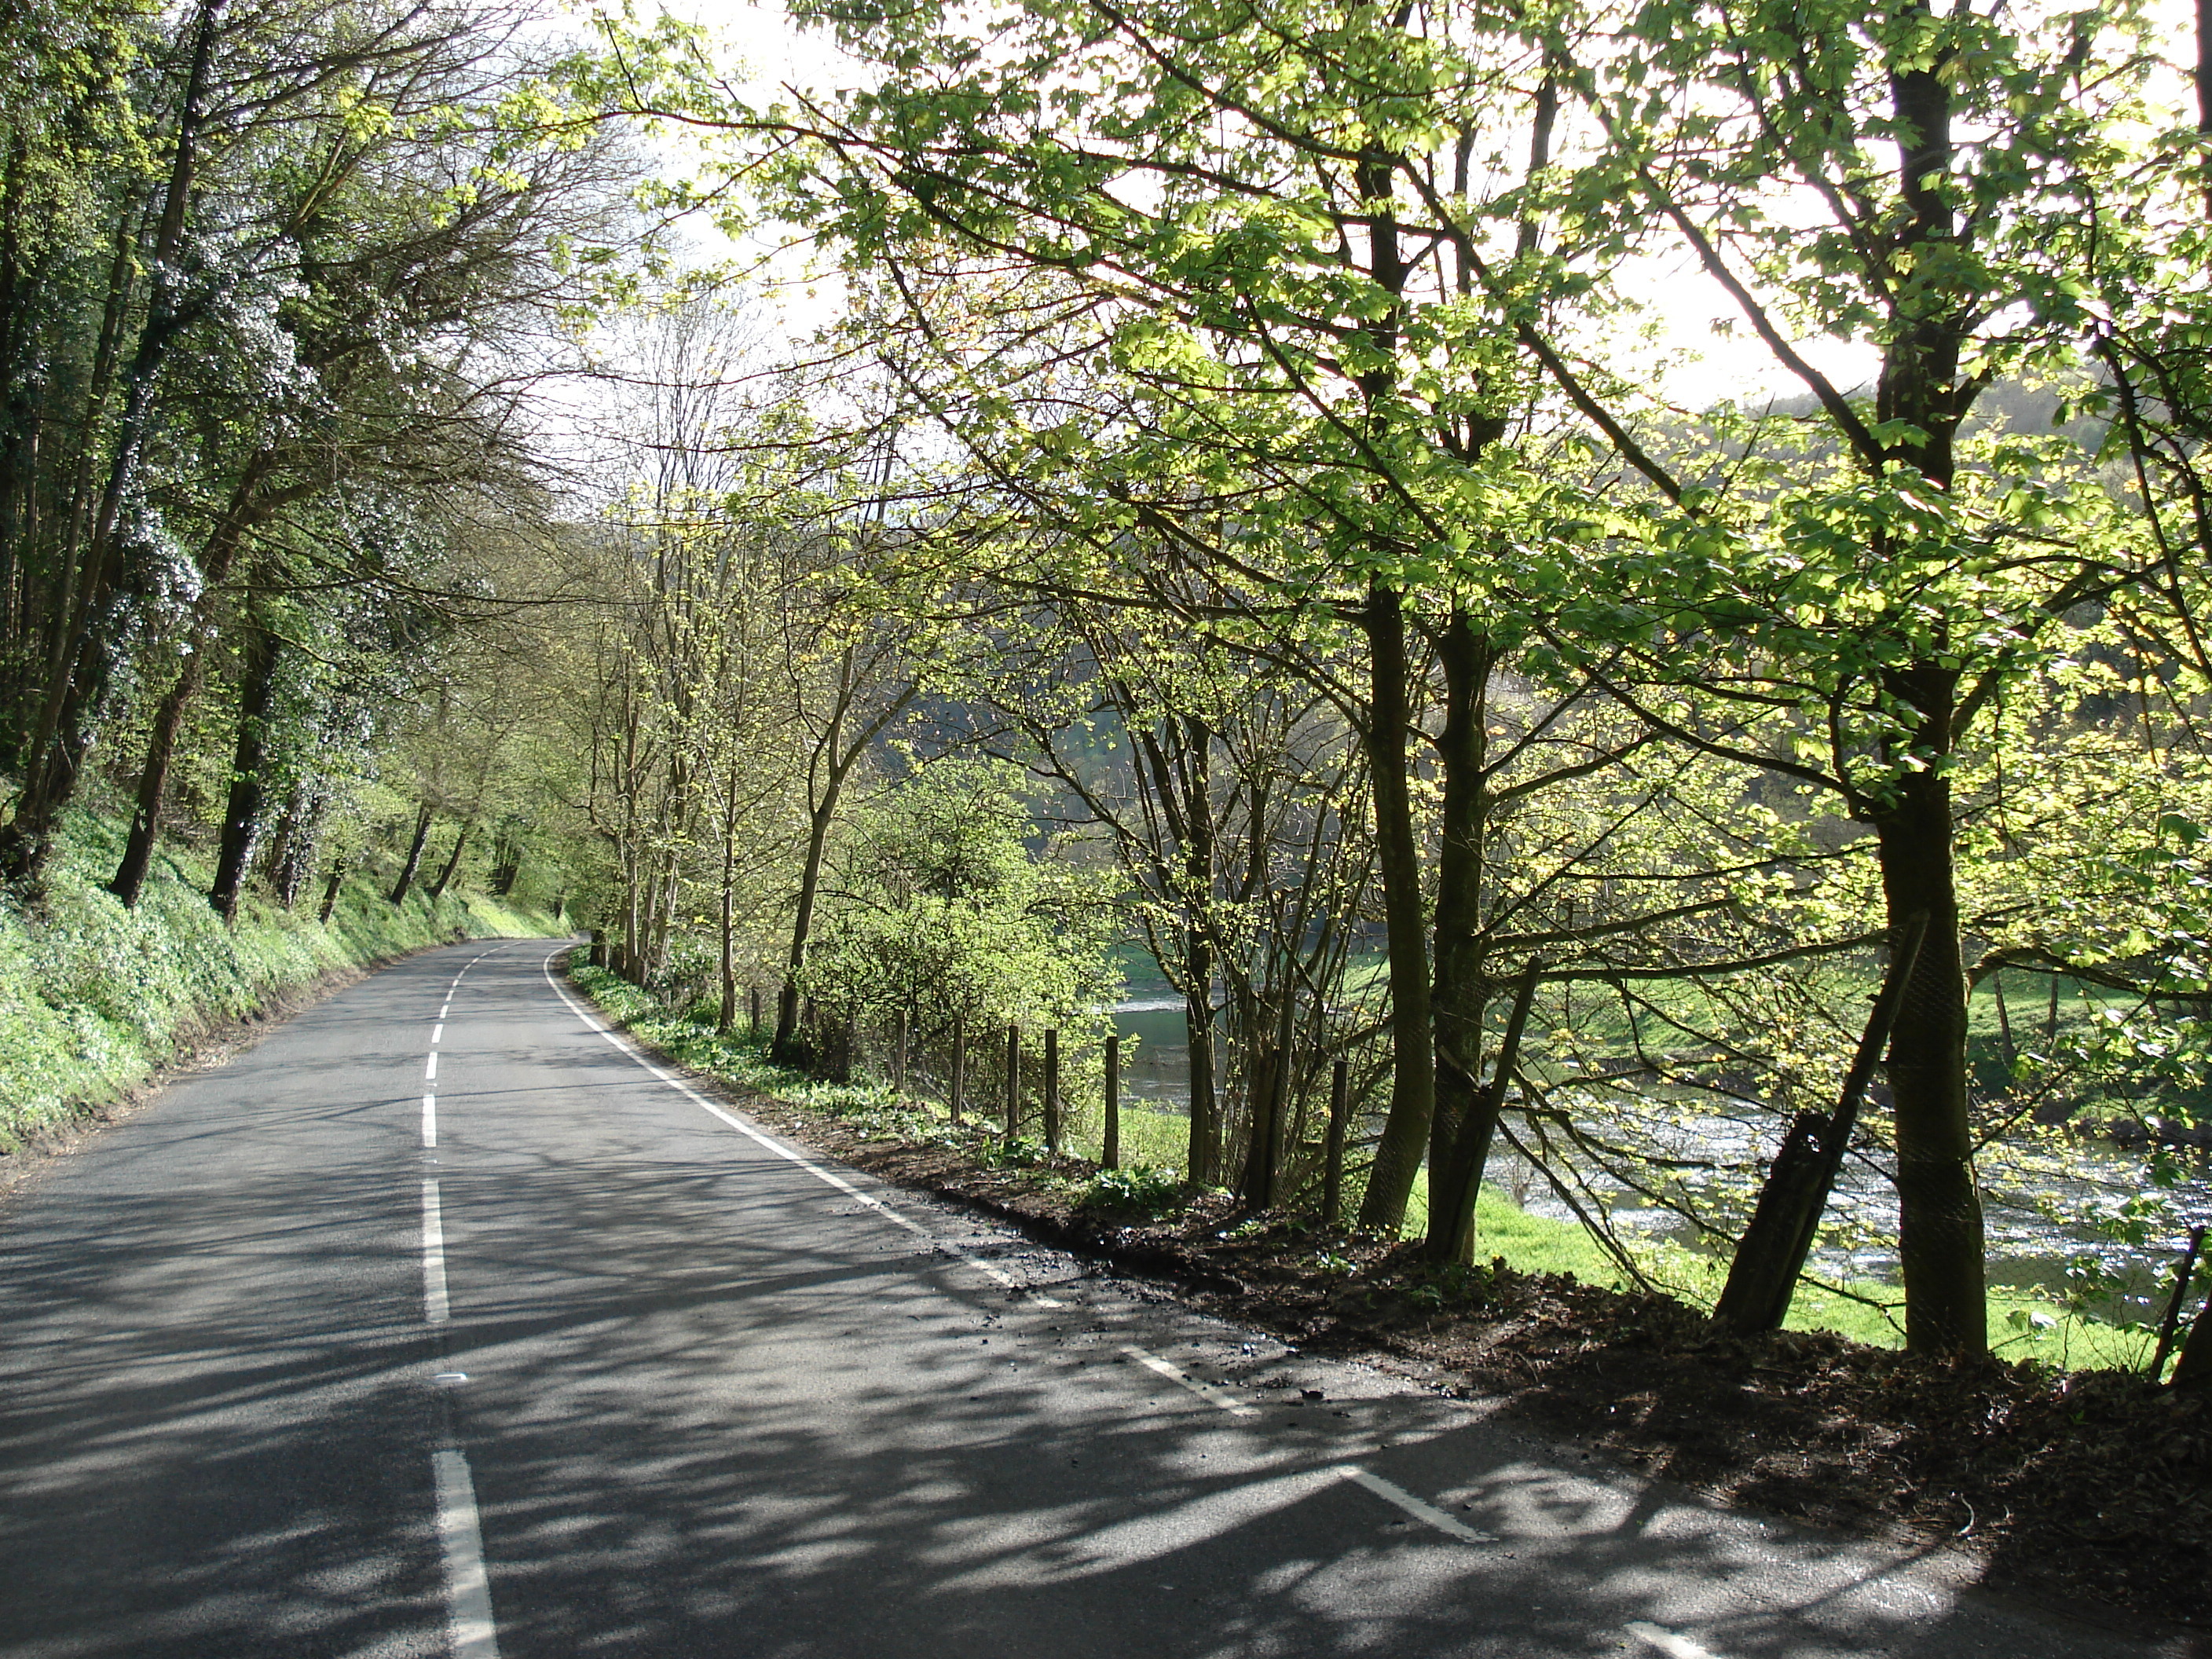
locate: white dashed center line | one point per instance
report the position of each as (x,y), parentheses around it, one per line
(433,1257)
(468,1587)
(1674,1646)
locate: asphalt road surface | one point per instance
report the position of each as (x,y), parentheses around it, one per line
(441,1323)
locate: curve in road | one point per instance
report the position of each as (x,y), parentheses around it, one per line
(444,1322)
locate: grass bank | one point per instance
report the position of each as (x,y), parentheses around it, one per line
(2021,1326)
(94,998)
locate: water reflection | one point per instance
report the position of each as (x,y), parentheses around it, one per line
(1156,1068)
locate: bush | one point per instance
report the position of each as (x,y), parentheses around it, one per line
(1144,1189)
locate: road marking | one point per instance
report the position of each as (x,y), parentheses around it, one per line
(1205,1391)
(468,1586)
(429,1120)
(1674,1646)
(430,1070)
(1035,1299)
(1391,1493)
(433,1257)
(438,1031)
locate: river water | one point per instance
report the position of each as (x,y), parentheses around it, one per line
(2025,1247)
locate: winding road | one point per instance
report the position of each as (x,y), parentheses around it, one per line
(443,1323)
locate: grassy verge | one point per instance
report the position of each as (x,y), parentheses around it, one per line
(94,997)
(2021,1327)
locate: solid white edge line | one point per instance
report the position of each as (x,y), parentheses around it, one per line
(1391,1493)
(434,1310)
(1674,1646)
(468,1586)
(776,1147)
(1205,1391)
(430,1120)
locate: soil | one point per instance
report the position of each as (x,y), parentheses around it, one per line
(2073,1486)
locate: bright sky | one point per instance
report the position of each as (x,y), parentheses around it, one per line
(1705,366)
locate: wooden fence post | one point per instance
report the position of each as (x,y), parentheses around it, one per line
(1112,1151)
(959,1065)
(1013,1081)
(1332,1180)
(1051,1091)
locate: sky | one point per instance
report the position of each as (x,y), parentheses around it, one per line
(1706,365)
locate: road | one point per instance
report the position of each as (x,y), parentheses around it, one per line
(439,1323)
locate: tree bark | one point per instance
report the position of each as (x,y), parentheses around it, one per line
(783,1047)
(2193,1370)
(129,879)
(1412,1082)
(241,817)
(1940,1244)
(453,864)
(1204,1153)
(1455,1176)
(414,863)
(1462,987)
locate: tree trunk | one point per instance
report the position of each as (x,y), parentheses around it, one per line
(303,826)
(780,1048)
(1413,1082)
(331,889)
(241,817)
(453,864)
(1456,1177)
(129,880)
(1461,987)
(1940,1243)
(1204,1149)
(399,888)
(2193,1370)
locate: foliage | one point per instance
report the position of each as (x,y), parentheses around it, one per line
(942,910)
(1136,1189)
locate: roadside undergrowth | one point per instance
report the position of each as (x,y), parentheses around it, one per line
(94,997)
(2074,1484)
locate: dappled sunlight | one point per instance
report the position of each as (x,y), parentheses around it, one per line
(713,1405)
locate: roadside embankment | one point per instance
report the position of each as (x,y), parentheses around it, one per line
(95,997)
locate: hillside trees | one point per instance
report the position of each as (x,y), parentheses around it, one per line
(331,274)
